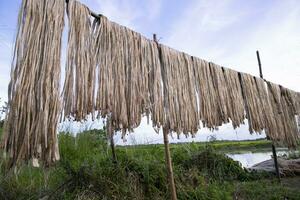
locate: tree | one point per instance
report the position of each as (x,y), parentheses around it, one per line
(3,111)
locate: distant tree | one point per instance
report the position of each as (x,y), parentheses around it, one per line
(3,111)
(212,138)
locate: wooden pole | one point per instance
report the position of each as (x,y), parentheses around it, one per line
(169,167)
(168,158)
(273,146)
(110,135)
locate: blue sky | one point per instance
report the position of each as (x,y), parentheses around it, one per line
(227,32)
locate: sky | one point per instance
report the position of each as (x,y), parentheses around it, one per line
(226,32)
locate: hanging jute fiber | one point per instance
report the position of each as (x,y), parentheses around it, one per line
(235,107)
(219,94)
(150,58)
(221,89)
(284,110)
(78,92)
(297,101)
(289,110)
(115,72)
(34,102)
(121,74)
(253,103)
(125,63)
(117,68)
(297,97)
(268,115)
(180,100)
(207,96)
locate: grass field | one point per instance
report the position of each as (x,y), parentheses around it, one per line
(224,146)
(86,171)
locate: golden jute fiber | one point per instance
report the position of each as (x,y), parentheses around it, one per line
(207,96)
(34,101)
(137,77)
(78,92)
(253,103)
(222,94)
(180,100)
(119,74)
(283,108)
(129,76)
(235,102)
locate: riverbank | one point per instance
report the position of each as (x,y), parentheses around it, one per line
(223,146)
(86,171)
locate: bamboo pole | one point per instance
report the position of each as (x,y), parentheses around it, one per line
(168,158)
(273,146)
(169,167)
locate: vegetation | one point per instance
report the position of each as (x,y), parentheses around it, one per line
(86,171)
(222,146)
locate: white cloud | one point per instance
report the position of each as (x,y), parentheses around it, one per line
(203,27)
(131,13)
(230,35)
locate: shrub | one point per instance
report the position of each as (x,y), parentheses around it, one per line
(216,166)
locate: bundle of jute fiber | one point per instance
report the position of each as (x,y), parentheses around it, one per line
(180,101)
(297,99)
(292,100)
(104,56)
(34,102)
(253,103)
(236,109)
(290,112)
(274,95)
(287,131)
(207,96)
(221,88)
(190,95)
(125,62)
(150,58)
(78,92)
(130,56)
(298,103)
(270,126)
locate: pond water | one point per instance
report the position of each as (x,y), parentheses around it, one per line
(248,158)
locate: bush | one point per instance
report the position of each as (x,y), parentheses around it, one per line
(264,189)
(214,165)
(87,171)
(217,166)
(210,191)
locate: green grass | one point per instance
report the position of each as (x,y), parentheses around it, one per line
(86,171)
(223,146)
